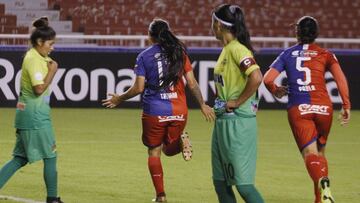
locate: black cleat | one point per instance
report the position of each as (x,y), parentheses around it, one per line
(53,200)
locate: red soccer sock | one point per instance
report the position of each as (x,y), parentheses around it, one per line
(317,193)
(317,168)
(324,166)
(156,172)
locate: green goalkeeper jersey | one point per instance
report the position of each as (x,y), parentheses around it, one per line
(33,111)
(231,72)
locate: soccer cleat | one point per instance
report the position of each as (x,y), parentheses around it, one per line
(325,193)
(53,200)
(160,199)
(186,147)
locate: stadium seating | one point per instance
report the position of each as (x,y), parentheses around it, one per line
(265,18)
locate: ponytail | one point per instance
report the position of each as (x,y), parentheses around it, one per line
(240,30)
(173,51)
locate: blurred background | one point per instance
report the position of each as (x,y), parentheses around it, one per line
(265,18)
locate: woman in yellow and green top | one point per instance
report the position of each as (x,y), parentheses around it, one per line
(237,78)
(35,138)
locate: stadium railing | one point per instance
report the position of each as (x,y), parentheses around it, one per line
(141,41)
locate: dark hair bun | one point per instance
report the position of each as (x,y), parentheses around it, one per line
(41,22)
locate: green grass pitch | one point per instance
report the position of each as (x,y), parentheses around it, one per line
(102,160)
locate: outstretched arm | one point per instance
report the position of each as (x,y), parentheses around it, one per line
(137,88)
(207,111)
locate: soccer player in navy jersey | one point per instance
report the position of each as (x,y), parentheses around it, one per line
(309,108)
(161,70)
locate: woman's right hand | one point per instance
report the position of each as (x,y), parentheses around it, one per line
(112,102)
(281,91)
(52,66)
(344,116)
(208,112)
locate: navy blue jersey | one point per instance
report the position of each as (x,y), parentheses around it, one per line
(163,102)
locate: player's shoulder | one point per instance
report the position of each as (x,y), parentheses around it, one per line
(236,47)
(293,50)
(31,57)
(322,52)
(150,51)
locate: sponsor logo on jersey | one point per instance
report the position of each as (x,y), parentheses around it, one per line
(171,118)
(304,53)
(223,62)
(313,108)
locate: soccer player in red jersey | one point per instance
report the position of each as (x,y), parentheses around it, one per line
(309,108)
(161,71)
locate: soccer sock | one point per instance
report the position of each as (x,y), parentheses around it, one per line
(172,149)
(249,193)
(50,176)
(10,168)
(317,168)
(324,166)
(156,172)
(224,192)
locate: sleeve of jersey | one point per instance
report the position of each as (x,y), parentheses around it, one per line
(342,85)
(279,63)
(187,65)
(269,79)
(246,61)
(33,68)
(139,68)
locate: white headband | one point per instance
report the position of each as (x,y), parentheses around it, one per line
(222,21)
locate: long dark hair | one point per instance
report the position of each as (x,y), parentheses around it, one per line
(307,29)
(173,51)
(232,18)
(42,31)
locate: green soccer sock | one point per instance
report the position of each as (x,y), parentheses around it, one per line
(249,193)
(224,192)
(50,176)
(10,168)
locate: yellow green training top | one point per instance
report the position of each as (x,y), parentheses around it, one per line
(33,112)
(231,72)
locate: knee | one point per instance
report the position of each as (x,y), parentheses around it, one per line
(155,151)
(307,152)
(221,186)
(311,149)
(244,190)
(20,161)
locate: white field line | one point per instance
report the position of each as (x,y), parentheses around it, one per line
(18,199)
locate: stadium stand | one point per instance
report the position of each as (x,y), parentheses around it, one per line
(266,18)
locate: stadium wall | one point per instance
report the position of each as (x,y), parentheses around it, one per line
(86,75)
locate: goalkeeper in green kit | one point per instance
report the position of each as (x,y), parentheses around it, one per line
(35,139)
(237,77)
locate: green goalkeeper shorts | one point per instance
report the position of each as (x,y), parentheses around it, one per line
(233,149)
(35,144)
